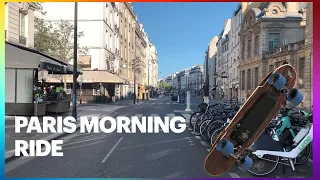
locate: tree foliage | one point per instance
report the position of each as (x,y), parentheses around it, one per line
(55,38)
(163,85)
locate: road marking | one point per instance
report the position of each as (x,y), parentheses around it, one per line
(167,103)
(166,141)
(189,129)
(77,142)
(170,115)
(114,147)
(63,149)
(198,137)
(192,132)
(153,103)
(310,160)
(186,116)
(234,175)
(203,143)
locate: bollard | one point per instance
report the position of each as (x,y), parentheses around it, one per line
(178,99)
(188,101)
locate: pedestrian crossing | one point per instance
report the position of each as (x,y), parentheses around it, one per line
(104,108)
(164,103)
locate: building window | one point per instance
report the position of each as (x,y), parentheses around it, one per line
(301,72)
(249,48)
(243,79)
(249,79)
(277,64)
(274,41)
(256,76)
(22,24)
(256,46)
(242,51)
(271,68)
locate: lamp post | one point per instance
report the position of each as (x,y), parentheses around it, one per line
(75,54)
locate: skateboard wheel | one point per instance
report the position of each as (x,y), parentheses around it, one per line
(225,147)
(277,80)
(245,163)
(295,97)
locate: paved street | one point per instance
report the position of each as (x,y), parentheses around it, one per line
(132,155)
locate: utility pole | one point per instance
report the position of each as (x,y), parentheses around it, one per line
(134,80)
(148,79)
(206,89)
(75,54)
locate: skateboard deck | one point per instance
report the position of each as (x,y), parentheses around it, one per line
(251,119)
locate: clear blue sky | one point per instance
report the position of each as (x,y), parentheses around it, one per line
(181,31)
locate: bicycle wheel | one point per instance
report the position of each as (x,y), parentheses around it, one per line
(193,118)
(212,127)
(304,155)
(204,128)
(262,166)
(215,135)
(196,128)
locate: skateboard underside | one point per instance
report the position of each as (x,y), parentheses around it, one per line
(250,121)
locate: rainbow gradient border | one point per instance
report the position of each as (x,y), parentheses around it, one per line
(316,77)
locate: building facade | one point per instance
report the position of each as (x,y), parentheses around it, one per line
(222,61)
(266,27)
(299,55)
(19,23)
(212,51)
(234,54)
(195,78)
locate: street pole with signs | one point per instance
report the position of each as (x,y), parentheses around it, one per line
(75,54)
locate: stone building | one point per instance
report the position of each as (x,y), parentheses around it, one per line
(140,60)
(221,60)
(234,54)
(299,55)
(212,51)
(266,27)
(19,23)
(127,27)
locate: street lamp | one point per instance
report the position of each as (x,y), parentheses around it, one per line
(75,54)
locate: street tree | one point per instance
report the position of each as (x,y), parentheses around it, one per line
(56,39)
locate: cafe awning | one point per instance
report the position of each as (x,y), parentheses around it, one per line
(18,56)
(88,76)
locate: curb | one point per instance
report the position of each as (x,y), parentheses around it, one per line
(183,111)
(10,156)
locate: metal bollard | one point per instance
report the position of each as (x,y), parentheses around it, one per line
(188,101)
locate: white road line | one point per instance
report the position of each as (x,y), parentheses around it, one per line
(234,175)
(186,116)
(189,129)
(203,143)
(114,147)
(171,115)
(63,149)
(139,115)
(77,142)
(198,137)
(167,103)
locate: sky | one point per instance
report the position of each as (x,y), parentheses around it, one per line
(181,31)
